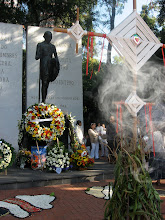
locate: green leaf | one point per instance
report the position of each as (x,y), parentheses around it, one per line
(52,194)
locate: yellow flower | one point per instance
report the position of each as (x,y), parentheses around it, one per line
(73,156)
(79,151)
(28,128)
(79,163)
(86,159)
(80,158)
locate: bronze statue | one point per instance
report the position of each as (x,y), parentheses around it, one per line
(49,67)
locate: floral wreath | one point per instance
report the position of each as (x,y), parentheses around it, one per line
(44,112)
(5,155)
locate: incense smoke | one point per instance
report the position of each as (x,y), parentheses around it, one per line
(118,84)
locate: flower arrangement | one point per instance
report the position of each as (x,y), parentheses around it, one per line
(44,112)
(35,162)
(24,156)
(57,158)
(80,158)
(5,154)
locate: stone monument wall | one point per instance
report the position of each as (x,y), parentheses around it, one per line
(66,91)
(10,81)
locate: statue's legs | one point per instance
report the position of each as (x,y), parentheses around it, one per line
(45,84)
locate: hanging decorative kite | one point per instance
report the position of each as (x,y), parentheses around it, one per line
(134,41)
(134,103)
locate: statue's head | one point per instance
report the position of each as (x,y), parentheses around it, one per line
(48,36)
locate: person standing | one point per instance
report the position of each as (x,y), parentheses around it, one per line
(94,138)
(88,144)
(156,168)
(111,135)
(49,67)
(79,132)
(98,128)
(103,141)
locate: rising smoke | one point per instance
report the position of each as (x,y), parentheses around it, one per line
(118,84)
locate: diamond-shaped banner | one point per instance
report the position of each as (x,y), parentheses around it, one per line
(76,32)
(134,103)
(134,41)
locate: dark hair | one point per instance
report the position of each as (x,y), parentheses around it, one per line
(47,33)
(78,122)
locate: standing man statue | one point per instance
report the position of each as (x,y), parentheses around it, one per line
(49,67)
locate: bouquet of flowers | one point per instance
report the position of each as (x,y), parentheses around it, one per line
(24,156)
(80,158)
(57,158)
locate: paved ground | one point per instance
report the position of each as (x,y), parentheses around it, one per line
(71,203)
(17,178)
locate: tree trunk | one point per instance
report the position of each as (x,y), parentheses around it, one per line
(112,24)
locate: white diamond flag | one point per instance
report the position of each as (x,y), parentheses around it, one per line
(134,103)
(76,32)
(134,41)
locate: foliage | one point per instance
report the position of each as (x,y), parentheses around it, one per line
(117,60)
(133,197)
(46,12)
(107,19)
(12,13)
(91,109)
(156,23)
(80,158)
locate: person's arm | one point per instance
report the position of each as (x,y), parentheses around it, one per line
(54,52)
(38,52)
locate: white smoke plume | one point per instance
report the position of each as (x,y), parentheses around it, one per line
(118,84)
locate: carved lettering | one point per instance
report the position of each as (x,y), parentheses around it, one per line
(1,71)
(5,63)
(8,55)
(5,38)
(3,46)
(63,106)
(4,79)
(64,82)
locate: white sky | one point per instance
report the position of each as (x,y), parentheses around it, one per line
(118,19)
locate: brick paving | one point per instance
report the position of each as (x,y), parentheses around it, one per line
(71,203)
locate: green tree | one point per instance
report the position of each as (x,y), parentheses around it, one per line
(117,60)
(91,109)
(110,9)
(156,23)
